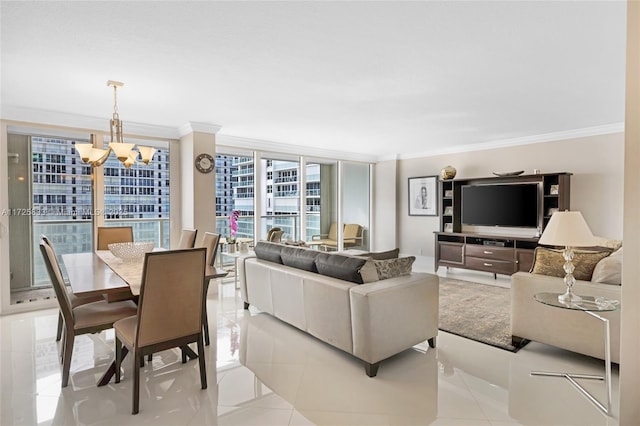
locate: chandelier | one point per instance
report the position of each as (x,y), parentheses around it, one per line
(124,151)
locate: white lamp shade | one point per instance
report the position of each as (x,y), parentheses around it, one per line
(97,154)
(567,229)
(146,152)
(84,150)
(122,150)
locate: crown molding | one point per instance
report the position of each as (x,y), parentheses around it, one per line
(31,116)
(262,145)
(604,129)
(192,127)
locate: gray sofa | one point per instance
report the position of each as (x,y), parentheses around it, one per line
(372,321)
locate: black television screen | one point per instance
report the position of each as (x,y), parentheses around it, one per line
(513,205)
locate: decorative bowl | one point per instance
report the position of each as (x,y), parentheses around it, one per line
(131,252)
(503,174)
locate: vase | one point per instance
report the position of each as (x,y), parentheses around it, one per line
(231,248)
(447,173)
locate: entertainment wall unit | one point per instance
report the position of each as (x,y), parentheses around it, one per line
(493,224)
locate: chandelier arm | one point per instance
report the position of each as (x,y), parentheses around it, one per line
(100,161)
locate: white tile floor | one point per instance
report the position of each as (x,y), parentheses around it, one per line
(269,373)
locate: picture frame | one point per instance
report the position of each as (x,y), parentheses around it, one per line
(553,189)
(448,211)
(423,196)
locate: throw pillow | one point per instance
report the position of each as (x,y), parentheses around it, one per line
(268,251)
(369,272)
(299,258)
(391,268)
(609,269)
(548,261)
(339,266)
(382,255)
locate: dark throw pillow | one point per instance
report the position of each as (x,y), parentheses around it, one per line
(299,258)
(268,251)
(339,266)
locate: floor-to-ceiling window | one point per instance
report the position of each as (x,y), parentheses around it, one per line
(51,192)
(235,191)
(138,196)
(356,199)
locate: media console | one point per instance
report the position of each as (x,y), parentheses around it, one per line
(498,254)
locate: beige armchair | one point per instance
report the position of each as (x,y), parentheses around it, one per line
(169,312)
(352,236)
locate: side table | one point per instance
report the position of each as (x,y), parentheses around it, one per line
(589,305)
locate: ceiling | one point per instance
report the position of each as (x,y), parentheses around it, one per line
(372,78)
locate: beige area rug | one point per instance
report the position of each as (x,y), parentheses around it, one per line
(476,311)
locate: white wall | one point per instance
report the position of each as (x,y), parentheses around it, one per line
(597,164)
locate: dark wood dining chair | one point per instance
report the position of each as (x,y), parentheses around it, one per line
(169,311)
(114,234)
(88,318)
(187,238)
(75,300)
(210,242)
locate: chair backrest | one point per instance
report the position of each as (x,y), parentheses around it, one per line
(171,295)
(57,282)
(276,236)
(187,238)
(271,232)
(114,234)
(210,242)
(333,232)
(352,230)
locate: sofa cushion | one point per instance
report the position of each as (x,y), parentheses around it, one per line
(369,272)
(548,261)
(339,266)
(609,269)
(382,255)
(392,268)
(299,258)
(268,251)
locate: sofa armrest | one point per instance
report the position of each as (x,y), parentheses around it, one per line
(392,315)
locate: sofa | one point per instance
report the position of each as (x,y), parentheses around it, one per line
(370,308)
(598,275)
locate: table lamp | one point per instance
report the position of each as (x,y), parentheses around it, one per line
(568,229)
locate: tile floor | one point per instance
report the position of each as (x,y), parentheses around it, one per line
(264,372)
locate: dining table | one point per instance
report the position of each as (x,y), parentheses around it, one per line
(101,272)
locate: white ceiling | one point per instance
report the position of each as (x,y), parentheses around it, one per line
(370,78)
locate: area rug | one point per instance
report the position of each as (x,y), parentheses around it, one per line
(478,312)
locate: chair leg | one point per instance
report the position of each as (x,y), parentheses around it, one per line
(136,381)
(118,359)
(66,358)
(203,367)
(60,321)
(205,326)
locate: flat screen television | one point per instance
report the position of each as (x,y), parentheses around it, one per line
(512,205)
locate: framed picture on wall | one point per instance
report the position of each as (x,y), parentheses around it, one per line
(423,196)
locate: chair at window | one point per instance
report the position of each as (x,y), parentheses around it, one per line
(75,300)
(169,311)
(275,235)
(114,234)
(210,242)
(88,318)
(187,238)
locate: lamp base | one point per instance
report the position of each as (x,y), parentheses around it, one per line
(569,297)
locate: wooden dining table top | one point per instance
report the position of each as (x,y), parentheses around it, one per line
(101,272)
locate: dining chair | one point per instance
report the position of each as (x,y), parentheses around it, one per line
(114,234)
(75,300)
(88,318)
(187,238)
(210,242)
(169,311)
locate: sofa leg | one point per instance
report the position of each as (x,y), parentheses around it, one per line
(517,341)
(246,305)
(371,369)
(432,342)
